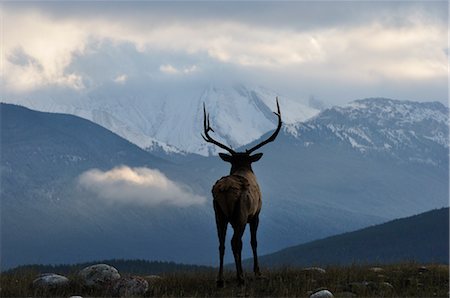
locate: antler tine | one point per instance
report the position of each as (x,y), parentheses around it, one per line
(274,135)
(207,128)
(278,108)
(204,117)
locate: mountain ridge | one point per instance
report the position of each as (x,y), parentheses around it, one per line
(405,130)
(420,238)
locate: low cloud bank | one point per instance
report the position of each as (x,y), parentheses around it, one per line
(141,186)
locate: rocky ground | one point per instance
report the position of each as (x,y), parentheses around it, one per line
(102,280)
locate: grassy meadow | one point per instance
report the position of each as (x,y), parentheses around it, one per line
(397,280)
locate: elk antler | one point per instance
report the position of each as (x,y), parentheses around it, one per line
(273,136)
(208,128)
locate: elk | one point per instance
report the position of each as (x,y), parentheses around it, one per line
(237,198)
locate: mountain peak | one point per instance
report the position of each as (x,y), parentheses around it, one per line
(406,130)
(395,112)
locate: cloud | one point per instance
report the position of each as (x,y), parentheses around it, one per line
(138,186)
(46,50)
(170,69)
(120,79)
(375,45)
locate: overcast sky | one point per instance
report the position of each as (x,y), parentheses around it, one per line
(334,51)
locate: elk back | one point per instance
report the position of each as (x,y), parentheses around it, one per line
(228,191)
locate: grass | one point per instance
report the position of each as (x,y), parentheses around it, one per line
(397,280)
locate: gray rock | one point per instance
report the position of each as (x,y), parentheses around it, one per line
(153,278)
(130,286)
(423,269)
(98,275)
(322,294)
(49,281)
(314,270)
(376,269)
(386,287)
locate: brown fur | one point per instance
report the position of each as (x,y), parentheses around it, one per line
(228,191)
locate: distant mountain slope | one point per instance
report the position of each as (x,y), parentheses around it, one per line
(42,151)
(421,238)
(47,218)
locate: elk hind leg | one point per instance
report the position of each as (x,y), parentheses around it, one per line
(254,243)
(236,245)
(221,223)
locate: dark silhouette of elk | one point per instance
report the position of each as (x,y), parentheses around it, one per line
(237,198)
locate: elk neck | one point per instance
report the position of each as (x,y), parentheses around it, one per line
(241,170)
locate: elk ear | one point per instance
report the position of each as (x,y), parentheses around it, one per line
(256,157)
(225,157)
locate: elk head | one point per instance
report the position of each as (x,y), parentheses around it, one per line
(239,160)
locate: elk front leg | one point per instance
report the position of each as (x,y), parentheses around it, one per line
(254,243)
(236,245)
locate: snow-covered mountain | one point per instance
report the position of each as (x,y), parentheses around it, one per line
(172,121)
(406,130)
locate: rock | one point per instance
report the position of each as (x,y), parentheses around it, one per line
(386,287)
(130,286)
(98,275)
(322,294)
(153,278)
(50,281)
(314,270)
(423,269)
(376,269)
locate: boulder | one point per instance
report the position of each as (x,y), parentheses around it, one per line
(322,294)
(50,281)
(130,286)
(98,275)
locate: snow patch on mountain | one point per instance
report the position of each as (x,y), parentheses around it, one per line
(404,129)
(172,121)
(399,112)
